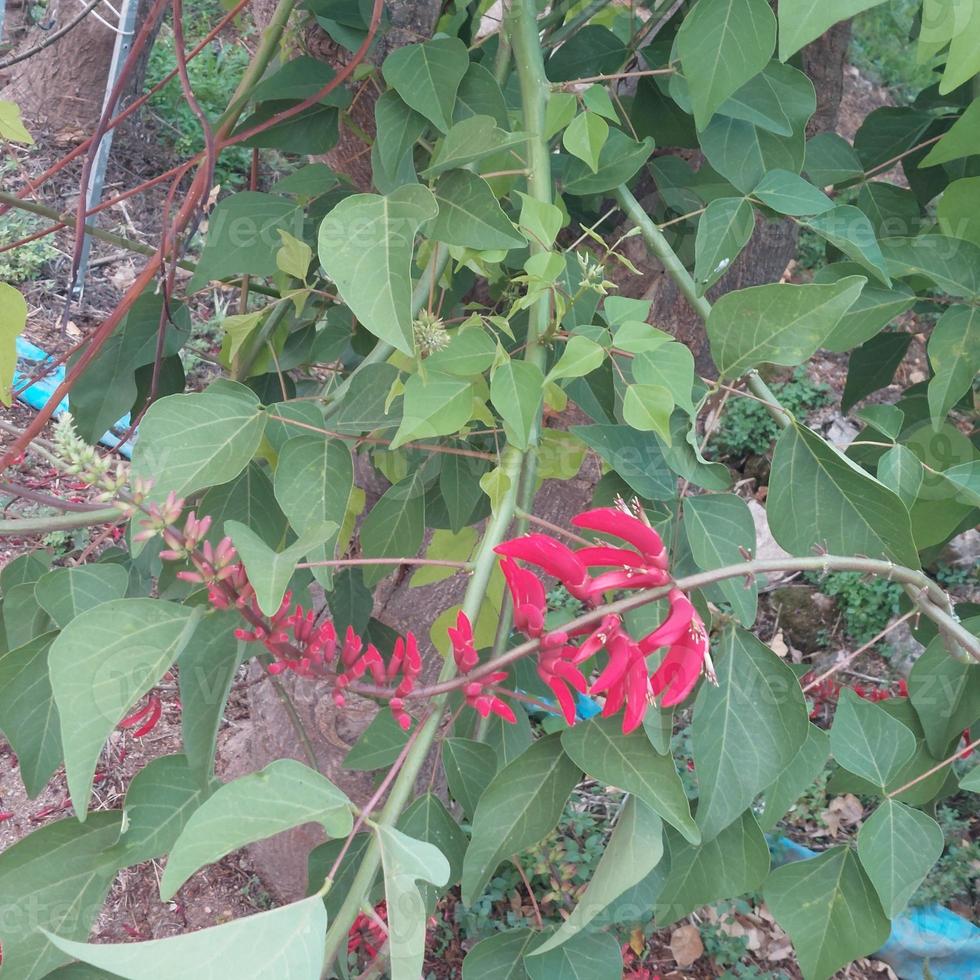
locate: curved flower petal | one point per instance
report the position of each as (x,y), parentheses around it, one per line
(678,622)
(552,556)
(613,520)
(625,578)
(604,554)
(679,671)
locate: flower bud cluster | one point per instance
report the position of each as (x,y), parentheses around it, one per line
(80,459)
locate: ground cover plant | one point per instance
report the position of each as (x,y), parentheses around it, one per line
(413,356)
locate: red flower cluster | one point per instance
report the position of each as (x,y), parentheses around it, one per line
(475,692)
(626,679)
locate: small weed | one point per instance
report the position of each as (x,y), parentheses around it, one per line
(956,576)
(748,429)
(954,876)
(866,605)
(26,262)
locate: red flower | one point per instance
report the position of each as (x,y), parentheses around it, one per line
(557,669)
(484,702)
(623,524)
(553,557)
(680,669)
(462,640)
(530,601)
(146,717)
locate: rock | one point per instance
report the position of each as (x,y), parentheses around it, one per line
(766,546)
(841,432)
(806,615)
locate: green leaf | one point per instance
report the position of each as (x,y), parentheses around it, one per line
(243,235)
(55,878)
(11,127)
(743,153)
(286,942)
(945,693)
(294,257)
(191,441)
(248,498)
(746,730)
(848,228)
(963,60)
(789,193)
(801,21)
(971,781)
(898,847)
(284,794)
(684,457)
(899,469)
(647,408)
(100,665)
(518,809)
(159,802)
(671,367)
(207,670)
(957,210)
(395,526)
(480,95)
(630,762)
(830,159)
(634,850)
(500,956)
(830,910)
(720,530)
(587,956)
(560,111)
(405,861)
(580,357)
(723,231)
(23,618)
(314,480)
(585,137)
(28,715)
(469,215)
(721,45)
(378,746)
(776,324)
(397,127)
(634,456)
(541,219)
(966,479)
(954,353)
(13,318)
(65,593)
(961,140)
(427,819)
(619,161)
(516,391)
(427,76)
(269,571)
(779,99)
(734,862)
(594,50)
(953,264)
(365,233)
(469,768)
(796,778)
(470,141)
(873,365)
(819,498)
(471,351)
(435,405)
(867,741)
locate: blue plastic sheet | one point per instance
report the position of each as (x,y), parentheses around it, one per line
(931,936)
(29,359)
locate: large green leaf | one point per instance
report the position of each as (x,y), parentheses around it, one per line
(898,847)
(28,716)
(849,229)
(962,140)
(405,861)
(516,390)
(868,741)
(469,766)
(873,365)
(953,264)
(819,498)
(519,808)
(207,670)
(196,440)
(587,956)
(100,665)
(286,942)
(435,404)
(722,44)
(65,593)
(797,777)
(471,141)
(243,236)
(159,802)
(249,499)
(313,484)
(619,161)
(471,351)
(427,819)
(954,352)
(469,215)
(365,245)
(830,159)
(802,21)
(55,878)
(945,693)
(733,863)
(958,210)
(23,617)
(630,762)
(395,526)
(634,456)
(723,231)
(743,153)
(500,956)
(378,746)
(480,95)
(284,794)
(746,730)
(427,76)
(634,850)
(789,193)
(398,127)
(776,324)
(720,531)
(585,137)
(830,910)
(670,366)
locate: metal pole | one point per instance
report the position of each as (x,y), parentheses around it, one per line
(93,193)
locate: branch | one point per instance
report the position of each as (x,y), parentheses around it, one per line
(59,522)
(959,753)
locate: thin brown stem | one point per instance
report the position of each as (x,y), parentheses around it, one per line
(960,753)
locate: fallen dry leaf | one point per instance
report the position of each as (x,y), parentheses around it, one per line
(686,945)
(778,645)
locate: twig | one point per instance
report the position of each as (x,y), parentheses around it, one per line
(959,753)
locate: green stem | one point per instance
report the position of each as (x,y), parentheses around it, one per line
(59,522)
(296,722)
(243,362)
